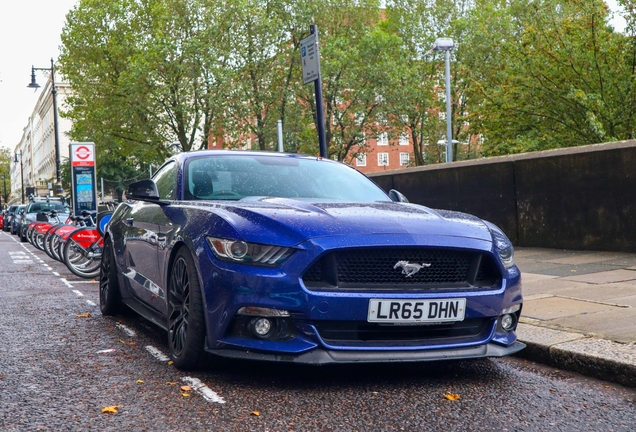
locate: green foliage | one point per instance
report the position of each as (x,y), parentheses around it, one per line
(525,76)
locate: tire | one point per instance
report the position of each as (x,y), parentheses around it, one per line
(37,240)
(46,242)
(109,296)
(186,323)
(79,264)
(23,237)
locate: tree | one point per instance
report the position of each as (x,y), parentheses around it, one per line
(562,76)
(5,173)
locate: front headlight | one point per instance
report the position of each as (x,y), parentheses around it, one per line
(248,253)
(503,245)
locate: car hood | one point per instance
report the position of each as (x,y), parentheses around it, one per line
(286,221)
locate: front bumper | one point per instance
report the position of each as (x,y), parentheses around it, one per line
(323,357)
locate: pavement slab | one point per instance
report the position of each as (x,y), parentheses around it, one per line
(616,324)
(605,277)
(579,311)
(551,308)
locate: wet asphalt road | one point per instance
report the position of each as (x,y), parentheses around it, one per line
(58,371)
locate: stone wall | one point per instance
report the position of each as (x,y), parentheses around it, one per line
(574,198)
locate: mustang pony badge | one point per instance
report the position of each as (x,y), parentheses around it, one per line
(409,269)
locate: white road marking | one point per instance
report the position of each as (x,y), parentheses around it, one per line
(85,282)
(79,294)
(157,354)
(92,303)
(126,330)
(66,282)
(22,262)
(205,391)
(56,273)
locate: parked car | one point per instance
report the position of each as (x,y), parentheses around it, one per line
(282,257)
(15,219)
(6,226)
(40,209)
(2,219)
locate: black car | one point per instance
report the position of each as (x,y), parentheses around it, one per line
(15,219)
(6,226)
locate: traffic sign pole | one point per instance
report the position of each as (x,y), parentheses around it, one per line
(310,62)
(320,115)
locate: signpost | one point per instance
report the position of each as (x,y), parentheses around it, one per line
(310,62)
(83,177)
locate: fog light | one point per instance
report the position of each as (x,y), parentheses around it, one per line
(262,327)
(507,321)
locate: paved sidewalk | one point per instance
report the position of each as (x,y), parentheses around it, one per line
(579,311)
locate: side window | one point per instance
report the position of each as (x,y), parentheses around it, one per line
(166,179)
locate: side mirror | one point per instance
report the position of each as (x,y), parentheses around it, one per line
(397,196)
(143,190)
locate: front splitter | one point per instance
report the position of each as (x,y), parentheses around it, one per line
(323,357)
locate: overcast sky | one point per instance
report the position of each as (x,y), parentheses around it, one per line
(30,35)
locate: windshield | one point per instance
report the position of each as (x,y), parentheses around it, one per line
(237,177)
(37,207)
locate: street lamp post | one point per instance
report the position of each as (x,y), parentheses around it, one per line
(21,173)
(446,45)
(35,85)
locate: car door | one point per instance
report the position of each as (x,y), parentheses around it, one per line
(141,238)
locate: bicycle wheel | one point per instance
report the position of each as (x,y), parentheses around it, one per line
(83,252)
(56,238)
(46,241)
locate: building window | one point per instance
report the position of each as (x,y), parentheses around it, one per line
(383,159)
(361,160)
(383,139)
(404,159)
(404,139)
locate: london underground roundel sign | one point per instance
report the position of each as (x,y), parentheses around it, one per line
(82,154)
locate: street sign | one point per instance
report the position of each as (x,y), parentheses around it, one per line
(84,185)
(310,58)
(83,154)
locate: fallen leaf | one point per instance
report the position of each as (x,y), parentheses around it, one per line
(606,386)
(185,388)
(171,383)
(170,362)
(553,390)
(84,315)
(121,341)
(110,409)
(140,381)
(106,351)
(255,413)
(451,396)
(573,271)
(185,394)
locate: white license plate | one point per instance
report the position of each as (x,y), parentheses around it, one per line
(415,311)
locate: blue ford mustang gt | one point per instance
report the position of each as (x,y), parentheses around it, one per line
(295,258)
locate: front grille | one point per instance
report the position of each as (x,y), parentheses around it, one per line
(346,333)
(402,268)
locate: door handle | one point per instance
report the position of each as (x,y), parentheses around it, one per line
(130,221)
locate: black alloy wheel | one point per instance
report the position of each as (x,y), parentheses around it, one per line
(186,324)
(109,295)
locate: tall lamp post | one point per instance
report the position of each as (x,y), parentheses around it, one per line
(21,173)
(446,45)
(35,85)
